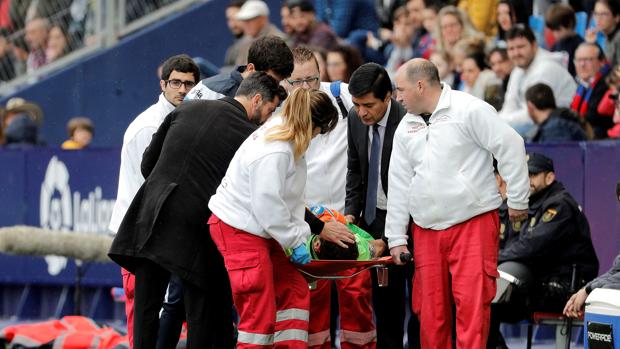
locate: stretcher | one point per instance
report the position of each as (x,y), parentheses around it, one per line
(344,269)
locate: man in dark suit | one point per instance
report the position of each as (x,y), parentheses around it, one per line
(165,229)
(371,126)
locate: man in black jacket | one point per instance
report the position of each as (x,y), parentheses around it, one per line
(552,124)
(164,231)
(555,237)
(371,126)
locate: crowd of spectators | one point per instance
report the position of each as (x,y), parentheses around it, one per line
(34,33)
(485,48)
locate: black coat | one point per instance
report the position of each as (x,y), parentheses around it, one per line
(555,236)
(357,166)
(183,166)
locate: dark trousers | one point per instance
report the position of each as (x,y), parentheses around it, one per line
(209,320)
(172,315)
(390,302)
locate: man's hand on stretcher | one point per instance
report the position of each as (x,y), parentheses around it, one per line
(400,255)
(337,233)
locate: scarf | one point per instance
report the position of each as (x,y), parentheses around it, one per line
(583,94)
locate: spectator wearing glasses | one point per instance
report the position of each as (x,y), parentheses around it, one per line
(606,14)
(179,75)
(592,71)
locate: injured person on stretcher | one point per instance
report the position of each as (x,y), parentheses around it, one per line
(365,247)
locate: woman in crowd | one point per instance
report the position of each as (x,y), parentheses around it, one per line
(342,61)
(443,62)
(57,43)
(480,81)
(258,210)
(453,26)
(606,16)
(506,19)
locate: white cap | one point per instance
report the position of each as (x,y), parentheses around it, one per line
(252,9)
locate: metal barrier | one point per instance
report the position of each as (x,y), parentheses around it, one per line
(44,36)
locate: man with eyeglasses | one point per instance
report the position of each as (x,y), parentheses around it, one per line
(179,75)
(592,71)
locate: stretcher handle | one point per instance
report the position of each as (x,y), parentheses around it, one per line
(405,257)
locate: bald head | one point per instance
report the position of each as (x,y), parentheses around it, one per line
(418,86)
(421,69)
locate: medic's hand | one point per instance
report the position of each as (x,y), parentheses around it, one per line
(337,232)
(300,255)
(396,251)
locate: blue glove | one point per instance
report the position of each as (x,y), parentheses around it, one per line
(300,255)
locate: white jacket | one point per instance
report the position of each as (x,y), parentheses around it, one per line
(327,159)
(442,174)
(261,192)
(545,68)
(137,137)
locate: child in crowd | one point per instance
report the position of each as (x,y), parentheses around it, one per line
(81,131)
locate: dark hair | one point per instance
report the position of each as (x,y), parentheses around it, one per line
(235,3)
(181,63)
(323,111)
(330,250)
(271,53)
(352,58)
(422,69)
(370,77)
(541,96)
(478,58)
(502,51)
(263,84)
(560,16)
(521,31)
(513,17)
(80,122)
(63,29)
(612,5)
(601,54)
(304,5)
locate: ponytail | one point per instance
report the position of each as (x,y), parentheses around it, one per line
(297,122)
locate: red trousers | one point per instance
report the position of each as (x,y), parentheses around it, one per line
(129,285)
(271,296)
(357,329)
(456,264)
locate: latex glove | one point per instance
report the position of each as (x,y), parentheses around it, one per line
(300,255)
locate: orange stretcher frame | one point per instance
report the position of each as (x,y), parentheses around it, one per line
(340,269)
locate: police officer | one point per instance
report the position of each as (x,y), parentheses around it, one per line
(555,236)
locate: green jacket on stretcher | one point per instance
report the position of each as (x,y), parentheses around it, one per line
(365,247)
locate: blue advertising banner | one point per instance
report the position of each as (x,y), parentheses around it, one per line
(59,190)
(75,191)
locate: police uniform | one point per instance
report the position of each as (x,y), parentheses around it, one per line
(555,236)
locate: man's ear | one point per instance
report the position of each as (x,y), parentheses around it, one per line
(257,99)
(250,68)
(388,96)
(162,85)
(549,178)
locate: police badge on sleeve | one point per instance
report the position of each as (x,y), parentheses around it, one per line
(548,215)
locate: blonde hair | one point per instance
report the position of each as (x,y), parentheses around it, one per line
(467,29)
(303,110)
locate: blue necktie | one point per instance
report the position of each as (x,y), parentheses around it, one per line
(373,176)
